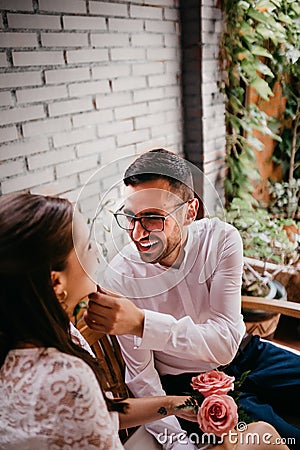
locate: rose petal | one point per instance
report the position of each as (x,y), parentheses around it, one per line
(217,414)
(213,382)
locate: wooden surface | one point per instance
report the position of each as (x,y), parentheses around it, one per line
(287,308)
(108,352)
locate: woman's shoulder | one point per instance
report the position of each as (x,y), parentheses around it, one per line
(58,361)
(43,377)
(61,397)
(44,362)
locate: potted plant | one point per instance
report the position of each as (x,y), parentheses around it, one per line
(267,252)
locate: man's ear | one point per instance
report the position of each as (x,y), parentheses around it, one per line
(58,282)
(192,210)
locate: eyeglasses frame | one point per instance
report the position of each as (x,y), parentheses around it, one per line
(139,219)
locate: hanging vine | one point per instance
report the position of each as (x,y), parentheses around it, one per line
(259,45)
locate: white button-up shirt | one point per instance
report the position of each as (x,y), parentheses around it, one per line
(193,320)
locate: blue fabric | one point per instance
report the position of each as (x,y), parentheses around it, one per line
(272,388)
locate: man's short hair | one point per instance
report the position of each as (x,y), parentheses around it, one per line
(161,164)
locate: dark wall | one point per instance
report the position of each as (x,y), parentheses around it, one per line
(191,60)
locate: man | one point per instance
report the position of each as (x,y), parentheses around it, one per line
(183,278)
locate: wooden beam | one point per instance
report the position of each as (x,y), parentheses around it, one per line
(284,307)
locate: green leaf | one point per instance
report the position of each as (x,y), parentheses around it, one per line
(280,29)
(246,29)
(262,88)
(244,5)
(278,3)
(265,32)
(260,17)
(265,4)
(249,71)
(261,51)
(296,8)
(256,143)
(284,18)
(265,70)
(242,379)
(236,105)
(247,33)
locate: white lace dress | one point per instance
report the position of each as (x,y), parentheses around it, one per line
(51,400)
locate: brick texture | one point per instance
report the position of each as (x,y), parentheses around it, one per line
(85,83)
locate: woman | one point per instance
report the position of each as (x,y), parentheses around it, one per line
(51,397)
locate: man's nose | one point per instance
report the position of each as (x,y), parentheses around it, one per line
(138,231)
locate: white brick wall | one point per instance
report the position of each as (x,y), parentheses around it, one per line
(83,83)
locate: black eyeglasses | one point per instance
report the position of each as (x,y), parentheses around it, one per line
(151,222)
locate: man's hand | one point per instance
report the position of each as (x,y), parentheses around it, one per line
(111,313)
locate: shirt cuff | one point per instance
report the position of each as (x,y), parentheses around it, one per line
(156,331)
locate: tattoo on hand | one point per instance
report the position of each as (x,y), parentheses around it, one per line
(162,410)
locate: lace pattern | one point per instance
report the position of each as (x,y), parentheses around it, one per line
(51,400)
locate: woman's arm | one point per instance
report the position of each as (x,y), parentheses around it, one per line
(148,409)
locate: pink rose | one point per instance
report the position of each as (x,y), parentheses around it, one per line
(217,414)
(213,382)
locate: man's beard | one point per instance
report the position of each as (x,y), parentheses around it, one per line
(160,251)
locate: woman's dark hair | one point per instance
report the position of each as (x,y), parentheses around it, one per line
(35,238)
(161,164)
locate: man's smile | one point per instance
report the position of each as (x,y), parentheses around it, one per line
(146,245)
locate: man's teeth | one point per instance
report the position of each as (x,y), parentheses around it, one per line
(147,244)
